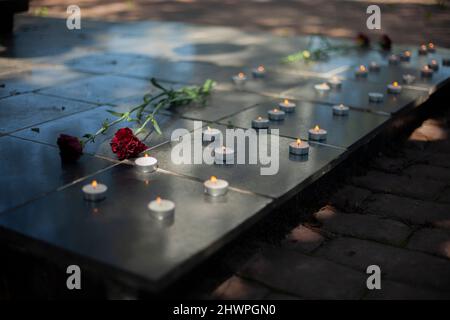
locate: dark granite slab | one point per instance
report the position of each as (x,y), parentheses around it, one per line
(31,109)
(343,131)
(120,237)
(292,174)
(356,95)
(30,170)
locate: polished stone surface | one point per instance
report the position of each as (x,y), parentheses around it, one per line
(31,109)
(343,131)
(293,174)
(356,94)
(119,232)
(31,170)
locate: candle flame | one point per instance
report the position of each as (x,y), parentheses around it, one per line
(286,101)
(299,142)
(158,200)
(261,68)
(395,84)
(241,75)
(426,67)
(306,54)
(316,128)
(433,62)
(259,118)
(431,45)
(146,155)
(407,53)
(275,110)
(94,184)
(362,68)
(423,47)
(213,179)
(209,129)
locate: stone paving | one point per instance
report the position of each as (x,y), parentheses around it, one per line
(396,215)
(58,81)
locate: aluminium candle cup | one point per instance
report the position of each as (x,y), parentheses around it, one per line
(426,72)
(223,155)
(361,73)
(434,65)
(408,78)
(97,193)
(376,97)
(431,48)
(341,110)
(393,60)
(239,81)
(394,89)
(162,209)
(335,83)
(374,67)
(276,115)
(287,106)
(299,149)
(146,164)
(260,123)
(211,134)
(317,135)
(423,50)
(216,188)
(322,88)
(405,56)
(257,73)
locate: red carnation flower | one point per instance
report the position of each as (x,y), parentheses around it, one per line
(385,42)
(126,145)
(362,40)
(70,148)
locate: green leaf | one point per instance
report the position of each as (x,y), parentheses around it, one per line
(156,84)
(156,126)
(115,113)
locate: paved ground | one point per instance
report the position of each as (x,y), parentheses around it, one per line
(332,18)
(396,215)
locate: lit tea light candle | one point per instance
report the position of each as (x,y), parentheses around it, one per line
(374,67)
(259,72)
(240,78)
(409,78)
(341,110)
(433,64)
(322,87)
(317,133)
(406,56)
(146,164)
(375,97)
(361,71)
(223,155)
(215,187)
(299,148)
(94,191)
(431,47)
(426,72)
(276,114)
(287,106)
(260,123)
(335,83)
(211,134)
(393,59)
(161,209)
(423,50)
(394,87)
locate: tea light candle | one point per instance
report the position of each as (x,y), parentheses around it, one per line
(431,47)
(375,97)
(393,59)
(341,110)
(161,209)
(259,72)
(299,147)
(433,64)
(146,164)
(335,83)
(406,56)
(426,72)
(211,134)
(322,88)
(223,155)
(239,79)
(260,123)
(361,72)
(317,133)
(287,106)
(409,78)
(423,50)
(215,187)
(374,67)
(94,191)
(394,87)
(276,114)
